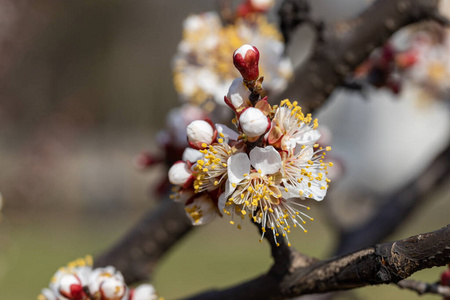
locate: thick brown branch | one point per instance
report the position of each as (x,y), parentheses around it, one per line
(137,253)
(424,288)
(345,45)
(381,264)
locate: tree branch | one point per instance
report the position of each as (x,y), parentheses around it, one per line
(424,288)
(380,264)
(346,45)
(137,253)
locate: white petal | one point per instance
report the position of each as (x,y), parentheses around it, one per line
(318,193)
(303,154)
(309,137)
(238,165)
(238,93)
(222,200)
(227,131)
(292,191)
(191,155)
(315,192)
(267,159)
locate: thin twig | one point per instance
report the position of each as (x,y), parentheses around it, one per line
(424,288)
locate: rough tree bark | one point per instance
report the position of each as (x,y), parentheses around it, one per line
(294,274)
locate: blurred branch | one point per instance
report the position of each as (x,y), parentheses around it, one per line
(381,264)
(424,288)
(345,45)
(137,253)
(397,207)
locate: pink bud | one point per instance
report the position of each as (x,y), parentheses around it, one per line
(246,60)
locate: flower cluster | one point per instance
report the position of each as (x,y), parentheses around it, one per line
(79,281)
(261,171)
(202,73)
(416,55)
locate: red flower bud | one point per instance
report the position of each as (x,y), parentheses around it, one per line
(246,60)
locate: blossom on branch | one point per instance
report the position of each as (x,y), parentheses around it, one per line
(79,281)
(264,171)
(417,56)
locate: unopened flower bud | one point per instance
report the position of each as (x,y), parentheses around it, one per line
(200,132)
(179,173)
(253,122)
(246,59)
(71,287)
(112,289)
(238,94)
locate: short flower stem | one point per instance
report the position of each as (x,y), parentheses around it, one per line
(254,98)
(258,143)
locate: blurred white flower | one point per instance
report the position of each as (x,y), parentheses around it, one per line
(202,69)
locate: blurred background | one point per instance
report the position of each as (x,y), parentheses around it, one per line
(85,86)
